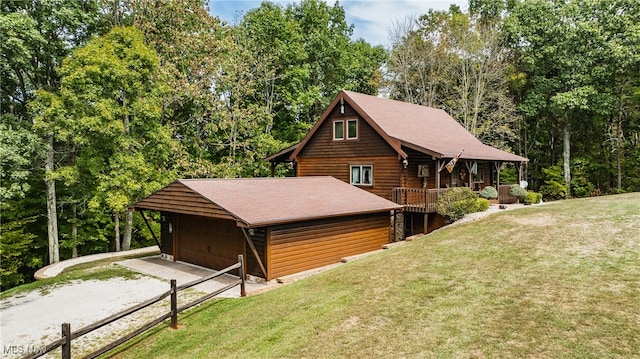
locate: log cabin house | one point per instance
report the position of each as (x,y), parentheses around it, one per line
(397,151)
(281,225)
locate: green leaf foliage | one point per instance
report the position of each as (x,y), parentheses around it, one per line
(553,187)
(489,192)
(454,203)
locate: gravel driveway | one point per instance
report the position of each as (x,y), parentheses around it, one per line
(32,319)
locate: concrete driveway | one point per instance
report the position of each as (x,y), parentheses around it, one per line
(186,272)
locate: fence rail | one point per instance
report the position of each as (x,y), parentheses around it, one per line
(68,335)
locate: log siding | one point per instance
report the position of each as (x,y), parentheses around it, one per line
(386,171)
(177,198)
(368,141)
(298,247)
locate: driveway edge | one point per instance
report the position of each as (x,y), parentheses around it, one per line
(54,269)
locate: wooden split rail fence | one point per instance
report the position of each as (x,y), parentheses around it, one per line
(68,335)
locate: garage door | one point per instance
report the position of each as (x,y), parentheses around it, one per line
(208,242)
(298,247)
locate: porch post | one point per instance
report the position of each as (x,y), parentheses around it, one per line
(519,172)
(438,169)
(498,166)
(469,175)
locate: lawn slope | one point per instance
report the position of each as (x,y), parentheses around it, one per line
(558,280)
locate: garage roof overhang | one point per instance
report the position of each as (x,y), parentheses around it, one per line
(260,202)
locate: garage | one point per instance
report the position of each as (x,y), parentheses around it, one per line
(281,225)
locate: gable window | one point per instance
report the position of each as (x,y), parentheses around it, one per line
(338,130)
(352,129)
(362,175)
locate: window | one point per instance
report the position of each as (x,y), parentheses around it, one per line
(352,129)
(423,170)
(477,172)
(362,175)
(338,130)
(479,177)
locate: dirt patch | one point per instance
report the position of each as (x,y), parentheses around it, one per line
(535,220)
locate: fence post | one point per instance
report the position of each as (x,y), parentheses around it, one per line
(243,290)
(66,346)
(174,305)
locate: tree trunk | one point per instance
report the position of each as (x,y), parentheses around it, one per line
(128,224)
(566,157)
(52,213)
(74,232)
(116,236)
(619,138)
(618,151)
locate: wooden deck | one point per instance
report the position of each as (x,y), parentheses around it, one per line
(423,200)
(419,200)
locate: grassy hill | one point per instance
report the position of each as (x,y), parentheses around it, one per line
(558,280)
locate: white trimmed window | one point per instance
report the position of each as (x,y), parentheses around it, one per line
(338,130)
(362,175)
(352,129)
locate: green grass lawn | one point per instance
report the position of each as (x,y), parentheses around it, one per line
(553,281)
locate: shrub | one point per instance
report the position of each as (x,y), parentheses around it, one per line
(554,186)
(533,197)
(456,202)
(581,169)
(508,174)
(489,192)
(482,204)
(518,192)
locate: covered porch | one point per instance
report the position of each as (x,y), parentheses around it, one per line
(423,200)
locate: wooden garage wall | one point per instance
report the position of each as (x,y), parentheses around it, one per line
(260,242)
(301,246)
(208,242)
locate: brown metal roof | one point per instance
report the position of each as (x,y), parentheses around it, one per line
(422,128)
(259,202)
(282,155)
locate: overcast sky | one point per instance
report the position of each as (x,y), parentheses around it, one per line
(372,19)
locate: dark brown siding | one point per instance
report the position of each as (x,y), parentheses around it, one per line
(386,171)
(177,198)
(368,143)
(209,242)
(416,159)
(298,247)
(166,237)
(322,156)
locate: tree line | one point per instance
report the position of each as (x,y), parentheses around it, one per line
(105,101)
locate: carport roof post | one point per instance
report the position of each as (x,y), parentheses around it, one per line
(260,202)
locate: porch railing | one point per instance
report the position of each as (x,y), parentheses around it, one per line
(420,200)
